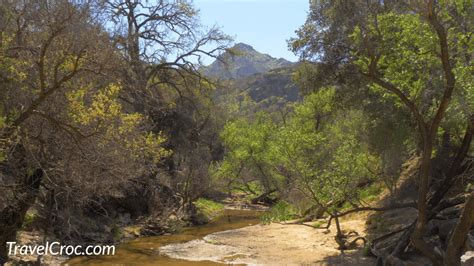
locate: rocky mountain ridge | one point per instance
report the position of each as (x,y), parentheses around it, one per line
(266,80)
(242,61)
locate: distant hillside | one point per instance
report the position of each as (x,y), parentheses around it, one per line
(242,61)
(265,79)
(274,87)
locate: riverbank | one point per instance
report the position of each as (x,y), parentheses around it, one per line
(145,250)
(236,237)
(276,243)
(34,238)
(229,212)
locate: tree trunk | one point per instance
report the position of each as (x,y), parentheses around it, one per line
(424,181)
(464,149)
(458,238)
(424,178)
(12,216)
(455,167)
(264,198)
(339,235)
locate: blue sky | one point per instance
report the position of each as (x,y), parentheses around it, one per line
(263,24)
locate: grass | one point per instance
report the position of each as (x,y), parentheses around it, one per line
(371,192)
(367,194)
(208,209)
(282,211)
(117,233)
(318,224)
(366,251)
(29,220)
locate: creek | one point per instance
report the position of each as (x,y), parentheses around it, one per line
(145,250)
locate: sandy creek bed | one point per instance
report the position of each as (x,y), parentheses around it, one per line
(268,245)
(236,238)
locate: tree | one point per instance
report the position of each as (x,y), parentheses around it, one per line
(323,151)
(407,52)
(163,43)
(316,150)
(64,133)
(248,144)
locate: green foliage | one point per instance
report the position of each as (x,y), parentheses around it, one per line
(117,233)
(407,58)
(281,211)
(318,223)
(208,209)
(94,115)
(407,55)
(101,109)
(327,158)
(306,77)
(322,151)
(252,188)
(366,252)
(248,140)
(248,144)
(29,220)
(371,192)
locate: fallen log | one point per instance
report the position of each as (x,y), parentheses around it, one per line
(264,198)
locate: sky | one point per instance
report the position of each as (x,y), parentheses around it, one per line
(263,24)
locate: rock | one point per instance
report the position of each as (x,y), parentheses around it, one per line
(445,228)
(394,261)
(452,212)
(442,228)
(246,62)
(467,259)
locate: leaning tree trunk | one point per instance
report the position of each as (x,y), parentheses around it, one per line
(456,166)
(11,217)
(420,227)
(464,149)
(458,238)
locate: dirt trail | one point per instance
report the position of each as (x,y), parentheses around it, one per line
(274,244)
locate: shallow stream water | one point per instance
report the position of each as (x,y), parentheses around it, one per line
(144,250)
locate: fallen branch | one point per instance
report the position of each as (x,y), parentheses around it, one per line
(296,223)
(380,238)
(264,198)
(388,208)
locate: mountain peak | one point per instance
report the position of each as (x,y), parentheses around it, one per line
(243,47)
(242,60)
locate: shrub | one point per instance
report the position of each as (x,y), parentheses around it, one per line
(282,211)
(208,209)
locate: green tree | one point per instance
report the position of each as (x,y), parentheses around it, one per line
(412,54)
(324,150)
(248,145)
(317,150)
